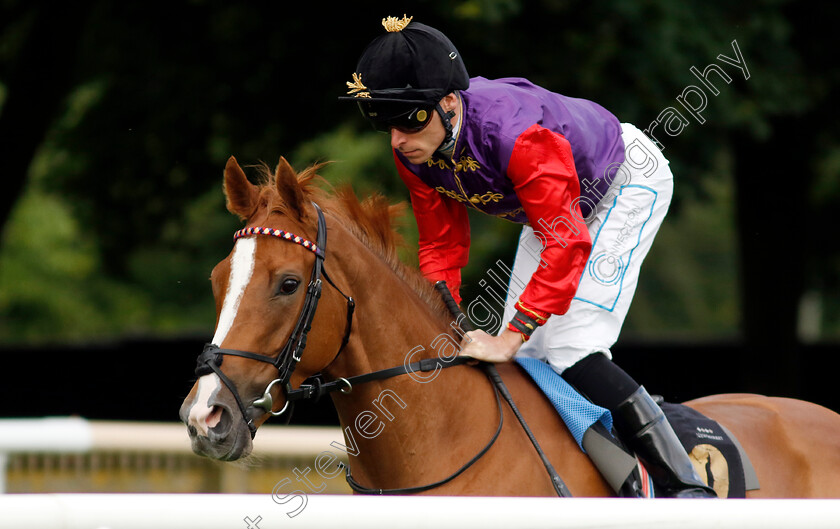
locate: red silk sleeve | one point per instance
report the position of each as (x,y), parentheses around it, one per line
(444,231)
(544,178)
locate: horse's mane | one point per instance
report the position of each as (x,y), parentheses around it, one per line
(373,221)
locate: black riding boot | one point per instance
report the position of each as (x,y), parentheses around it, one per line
(641,423)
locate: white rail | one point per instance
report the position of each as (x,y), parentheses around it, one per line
(74,435)
(210,511)
(296,509)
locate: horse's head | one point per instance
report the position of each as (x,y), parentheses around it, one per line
(266,292)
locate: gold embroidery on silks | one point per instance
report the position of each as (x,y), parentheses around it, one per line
(464,164)
(488,197)
(467,163)
(394,24)
(356,87)
(451,194)
(484,199)
(513,213)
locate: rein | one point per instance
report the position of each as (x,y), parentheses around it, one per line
(559,486)
(358,487)
(499,388)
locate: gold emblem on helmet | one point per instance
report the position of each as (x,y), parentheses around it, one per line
(394,24)
(422,115)
(356,87)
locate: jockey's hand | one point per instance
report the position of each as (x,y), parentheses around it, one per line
(482,346)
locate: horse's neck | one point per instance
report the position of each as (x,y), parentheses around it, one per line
(398,422)
(392,320)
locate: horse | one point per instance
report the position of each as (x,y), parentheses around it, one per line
(416,417)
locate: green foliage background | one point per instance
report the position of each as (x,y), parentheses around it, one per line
(121,216)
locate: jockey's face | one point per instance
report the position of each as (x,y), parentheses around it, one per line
(418,147)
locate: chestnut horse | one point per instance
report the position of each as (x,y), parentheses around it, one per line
(412,428)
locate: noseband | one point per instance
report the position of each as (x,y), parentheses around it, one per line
(210,359)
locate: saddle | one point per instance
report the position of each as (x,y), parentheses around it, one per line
(716,454)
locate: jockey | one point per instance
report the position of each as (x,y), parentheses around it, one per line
(590,192)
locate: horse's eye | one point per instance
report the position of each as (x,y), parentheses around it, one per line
(288,286)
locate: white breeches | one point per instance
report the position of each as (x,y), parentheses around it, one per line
(622,227)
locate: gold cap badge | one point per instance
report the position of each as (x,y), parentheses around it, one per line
(357,89)
(394,24)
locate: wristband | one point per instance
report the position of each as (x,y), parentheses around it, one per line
(526,321)
(537,316)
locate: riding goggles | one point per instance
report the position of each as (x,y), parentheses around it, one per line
(408,119)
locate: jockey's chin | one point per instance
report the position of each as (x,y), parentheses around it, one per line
(417,156)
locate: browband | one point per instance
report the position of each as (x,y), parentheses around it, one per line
(280,234)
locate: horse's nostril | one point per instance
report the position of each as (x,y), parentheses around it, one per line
(219,423)
(191,430)
(214,417)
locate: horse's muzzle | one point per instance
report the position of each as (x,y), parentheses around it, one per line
(227,440)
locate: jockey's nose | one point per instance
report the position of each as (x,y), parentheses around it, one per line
(397,138)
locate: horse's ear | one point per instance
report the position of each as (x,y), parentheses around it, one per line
(289,188)
(242,195)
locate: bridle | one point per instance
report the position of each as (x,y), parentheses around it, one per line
(212,356)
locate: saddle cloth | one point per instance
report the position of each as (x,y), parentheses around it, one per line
(577,412)
(715,453)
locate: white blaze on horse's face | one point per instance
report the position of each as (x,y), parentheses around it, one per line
(241,270)
(202,415)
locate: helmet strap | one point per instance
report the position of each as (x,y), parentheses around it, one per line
(446,119)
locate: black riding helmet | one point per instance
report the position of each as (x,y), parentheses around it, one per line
(403,74)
